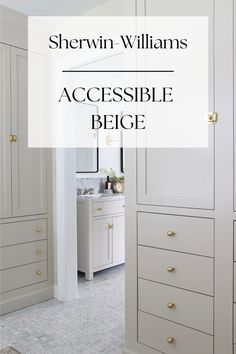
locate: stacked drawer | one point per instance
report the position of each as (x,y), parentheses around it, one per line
(175,283)
(23,254)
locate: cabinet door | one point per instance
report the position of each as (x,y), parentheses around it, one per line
(234,60)
(182,177)
(102,242)
(118,239)
(28,164)
(5,131)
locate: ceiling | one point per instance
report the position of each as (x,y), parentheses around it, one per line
(51,7)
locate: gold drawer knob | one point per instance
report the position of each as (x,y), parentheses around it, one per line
(170,340)
(38,251)
(212,117)
(110,226)
(171,305)
(171,269)
(38,273)
(99,209)
(13,138)
(170,233)
(37,229)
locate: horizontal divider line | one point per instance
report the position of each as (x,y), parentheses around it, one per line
(117,71)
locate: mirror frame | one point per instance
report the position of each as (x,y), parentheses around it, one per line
(97,169)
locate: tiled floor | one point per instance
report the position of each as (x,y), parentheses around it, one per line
(92,324)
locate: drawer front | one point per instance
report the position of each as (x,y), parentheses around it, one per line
(234,282)
(176,305)
(179,233)
(16,255)
(23,231)
(235,323)
(190,272)
(18,277)
(107,208)
(154,332)
(235,241)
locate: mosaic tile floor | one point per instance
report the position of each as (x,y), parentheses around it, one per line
(92,324)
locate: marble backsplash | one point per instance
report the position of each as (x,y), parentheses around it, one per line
(97,183)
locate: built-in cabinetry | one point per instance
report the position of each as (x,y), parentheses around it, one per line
(179,224)
(25,198)
(100,225)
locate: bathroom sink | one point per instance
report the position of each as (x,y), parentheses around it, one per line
(90,196)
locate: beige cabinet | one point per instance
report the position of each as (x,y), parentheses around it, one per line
(102,242)
(180,268)
(118,239)
(23,170)
(182,177)
(101,237)
(29,187)
(26,264)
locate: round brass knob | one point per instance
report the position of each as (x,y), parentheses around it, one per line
(170,340)
(99,209)
(13,138)
(38,273)
(37,229)
(171,269)
(170,233)
(38,251)
(171,305)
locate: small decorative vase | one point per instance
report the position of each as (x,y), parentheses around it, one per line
(118,187)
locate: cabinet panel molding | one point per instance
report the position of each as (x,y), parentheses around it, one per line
(29,180)
(5,131)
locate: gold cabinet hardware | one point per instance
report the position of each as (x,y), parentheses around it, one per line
(170,340)
(212,117)
(123,206)
(13,138)
(37,229)
(99,209)
(170,233)
(110,226)
(171,269)
(38,273)
(171,305)
(38,251)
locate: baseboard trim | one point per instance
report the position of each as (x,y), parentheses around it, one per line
(24,300)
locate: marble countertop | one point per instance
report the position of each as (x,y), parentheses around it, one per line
(100,197)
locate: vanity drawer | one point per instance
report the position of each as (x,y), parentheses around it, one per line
(107,208)
(234,324)
(154,298)
(179,233)
(186,271)
(16,255)
(155,332)
(23,231)
(18,277)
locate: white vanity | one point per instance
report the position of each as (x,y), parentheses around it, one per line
(101,235)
